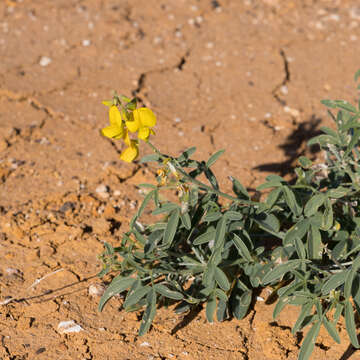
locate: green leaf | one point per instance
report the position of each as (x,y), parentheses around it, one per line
(221,279)
(313,204)
(209,275)
(165,208)
(205,238)
(333,282)
(308,344)
(241,301)
(329,103)
(222,310)
(239,189)
(117,286)
(300,248)
(356,76)
(328,216)
(149,158)
(291,201)
(214,157)
(269,184)
(171,227)
(329,131)
(233,215)
(331,329)
(282,302)
(273,196)
(186,154)
(280,270)
(242,248)
(165,291)
(350,324)
(350,277)
(185,220)
(268,222)
(343,104)
(314,243)
(337,193)
(305,162)
(142,207)
(149,313)
(305,311)
(210,308)
(220,294)
(323,140)
(134,297)
(220,233)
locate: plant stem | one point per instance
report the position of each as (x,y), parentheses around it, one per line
(195,181)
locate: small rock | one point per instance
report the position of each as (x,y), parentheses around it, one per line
(117,193)
(66,327)
(292,112)
(45,61)
(103,191)
(145,343)
(86,42)
(96,289)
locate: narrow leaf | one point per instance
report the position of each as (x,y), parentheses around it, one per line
(171,227)
(350,324)
(308,344)
(165,291)
(149,313)
(117,286)
(210,308)
(214,157)
(221,279)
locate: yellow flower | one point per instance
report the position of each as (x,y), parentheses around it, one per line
(116,130)
(132,151)
(142,120)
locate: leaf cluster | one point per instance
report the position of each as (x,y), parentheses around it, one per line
(303,241)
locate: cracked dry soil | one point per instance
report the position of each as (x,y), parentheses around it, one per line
(246,76)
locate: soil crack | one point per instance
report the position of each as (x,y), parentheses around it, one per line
(285,81)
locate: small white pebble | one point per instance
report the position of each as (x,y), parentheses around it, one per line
(209,45)
(191,21)
(267,115)
(96,289)
(86,42)
(12,271)
(181,133)
(177,120)
(70,326)
(284,89)
(117,193)
(218,63)
(103,191)
(259,298)
(145,343)
(292,112)
(45,61)
(199,19)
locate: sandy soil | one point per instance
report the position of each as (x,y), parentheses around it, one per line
(246,76)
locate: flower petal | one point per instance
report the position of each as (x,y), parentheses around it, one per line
(133,124)
(145,117)
(127,139)
(115,116)
(112,132)
(144,133)
(130,153)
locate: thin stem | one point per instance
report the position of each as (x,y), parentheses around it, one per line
(197,182)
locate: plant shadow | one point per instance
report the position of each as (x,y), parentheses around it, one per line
(294,147)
